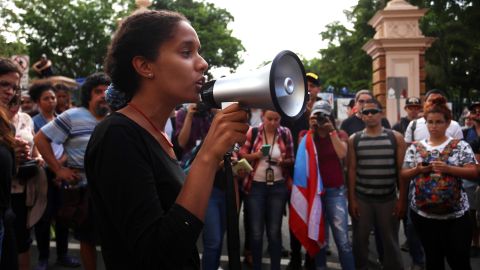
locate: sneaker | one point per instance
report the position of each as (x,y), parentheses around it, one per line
(68,261)
(42,265)
(404,246)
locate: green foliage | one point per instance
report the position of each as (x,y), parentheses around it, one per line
(73,34)
(452,63)
(8,49)
(219,47)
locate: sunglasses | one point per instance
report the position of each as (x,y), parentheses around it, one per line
(371,111)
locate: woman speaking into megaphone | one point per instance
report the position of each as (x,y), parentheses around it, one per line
(146,217)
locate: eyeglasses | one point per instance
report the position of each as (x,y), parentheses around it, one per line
(370,111)
(4,86)
(435,123)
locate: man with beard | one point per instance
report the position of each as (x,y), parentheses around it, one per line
(72,129)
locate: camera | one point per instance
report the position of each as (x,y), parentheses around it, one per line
(425,164)
(322,118)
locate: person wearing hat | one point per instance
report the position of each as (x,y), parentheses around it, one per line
(330,147)
(413,106)
(313,85)
(417,129)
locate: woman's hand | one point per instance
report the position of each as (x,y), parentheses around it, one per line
(328,126)
(228,127)
(440,167)
(22,150)
(424,169)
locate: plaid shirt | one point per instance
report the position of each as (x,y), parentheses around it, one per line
(286,147)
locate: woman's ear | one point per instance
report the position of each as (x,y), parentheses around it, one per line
(143,67)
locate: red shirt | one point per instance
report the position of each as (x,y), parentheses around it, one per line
(330,166)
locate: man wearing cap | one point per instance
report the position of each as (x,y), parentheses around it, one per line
(417,129)
(313,87)
(354,123)
(413,106)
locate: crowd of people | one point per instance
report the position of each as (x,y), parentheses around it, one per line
(140,173)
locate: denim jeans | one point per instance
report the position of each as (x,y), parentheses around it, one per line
(335,209)
(265,206)
(214,229)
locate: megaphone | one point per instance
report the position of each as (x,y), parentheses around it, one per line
(280,86)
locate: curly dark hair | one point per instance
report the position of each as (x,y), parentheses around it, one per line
(91,82)
(140,34)
(36,90)
(438,105)
(8,66)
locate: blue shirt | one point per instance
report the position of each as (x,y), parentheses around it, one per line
(72,128)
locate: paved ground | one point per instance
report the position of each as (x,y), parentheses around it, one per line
(332,260)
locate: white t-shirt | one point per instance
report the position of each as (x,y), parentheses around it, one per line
(421,130)
(260,172)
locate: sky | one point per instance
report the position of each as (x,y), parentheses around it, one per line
(267,27)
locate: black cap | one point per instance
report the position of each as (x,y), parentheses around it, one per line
(413,101)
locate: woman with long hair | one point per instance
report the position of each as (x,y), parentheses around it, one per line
(434,167)
(149,215)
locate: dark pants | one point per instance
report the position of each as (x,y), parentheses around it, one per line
(9,258)
(42,228)
(442,239)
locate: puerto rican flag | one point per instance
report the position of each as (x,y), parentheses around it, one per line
(306,218)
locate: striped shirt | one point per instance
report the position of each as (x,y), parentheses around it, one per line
(72,128)
(376,167)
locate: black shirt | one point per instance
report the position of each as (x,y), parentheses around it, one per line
(402,125)
(7,169)
(134,184)
(354,124)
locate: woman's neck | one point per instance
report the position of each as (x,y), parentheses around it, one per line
(434,141)
(157,112)
(48,115)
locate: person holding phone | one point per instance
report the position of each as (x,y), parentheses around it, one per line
(434,168)
(270,152)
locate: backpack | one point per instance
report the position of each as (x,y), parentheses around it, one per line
(437,193)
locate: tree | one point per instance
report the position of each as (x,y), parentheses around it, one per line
(219,48)
(8,49)
(73,34)
(451,62)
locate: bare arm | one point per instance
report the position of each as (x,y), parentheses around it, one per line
(352,170)
(339,145)
(43,145)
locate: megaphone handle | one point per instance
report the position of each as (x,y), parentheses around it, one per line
(233,236)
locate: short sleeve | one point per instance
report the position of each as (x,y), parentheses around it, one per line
(59,129)
(410,161)
(466,155)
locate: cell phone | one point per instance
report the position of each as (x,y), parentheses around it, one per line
(425,164)
(265,149)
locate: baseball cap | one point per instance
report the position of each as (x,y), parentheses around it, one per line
(413,101)
(321,106)
(313,78)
